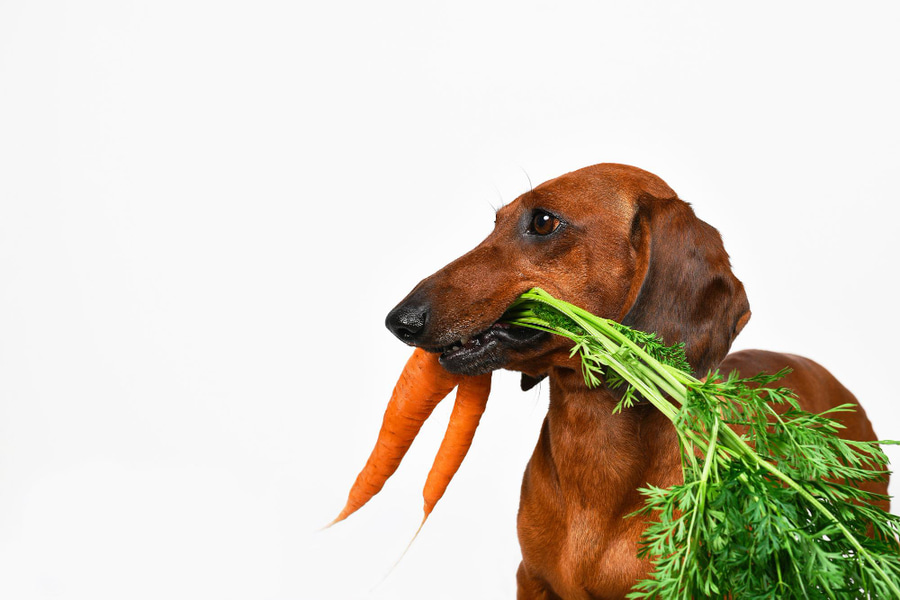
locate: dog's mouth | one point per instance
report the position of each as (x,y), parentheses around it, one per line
(485,351)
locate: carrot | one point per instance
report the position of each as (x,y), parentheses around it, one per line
(471,399)
(422,384)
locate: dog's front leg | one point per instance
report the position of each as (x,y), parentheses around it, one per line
(531,588)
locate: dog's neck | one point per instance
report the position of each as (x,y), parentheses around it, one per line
(594,449)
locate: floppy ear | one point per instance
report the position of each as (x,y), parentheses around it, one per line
(688,292)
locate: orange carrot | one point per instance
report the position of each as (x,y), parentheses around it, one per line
(471,399)
(422,384)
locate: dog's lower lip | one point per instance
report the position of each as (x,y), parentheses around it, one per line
(479,340)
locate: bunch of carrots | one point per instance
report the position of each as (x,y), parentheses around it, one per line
(740,517)
(422,385)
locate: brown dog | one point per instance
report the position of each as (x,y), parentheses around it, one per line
(617,241)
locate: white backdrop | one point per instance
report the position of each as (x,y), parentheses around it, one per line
(207,209)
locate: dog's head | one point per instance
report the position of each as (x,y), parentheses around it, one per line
(610,238)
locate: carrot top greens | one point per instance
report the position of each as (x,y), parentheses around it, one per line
(774,512)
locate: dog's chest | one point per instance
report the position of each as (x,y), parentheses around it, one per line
(579,486)
(598,561)
(581,557)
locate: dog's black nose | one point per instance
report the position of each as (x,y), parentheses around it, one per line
(407,320)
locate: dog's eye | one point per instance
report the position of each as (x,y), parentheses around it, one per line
(543,223)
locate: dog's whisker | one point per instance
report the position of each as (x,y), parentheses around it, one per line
(527,176)
(499,197)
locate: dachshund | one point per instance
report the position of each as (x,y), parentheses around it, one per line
(617,241)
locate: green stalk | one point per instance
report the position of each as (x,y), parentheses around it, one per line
(704,476)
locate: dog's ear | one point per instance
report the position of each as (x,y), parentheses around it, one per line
(685,289)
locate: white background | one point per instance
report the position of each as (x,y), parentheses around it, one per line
(207,208)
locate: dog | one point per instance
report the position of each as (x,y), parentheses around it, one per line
(617,241)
